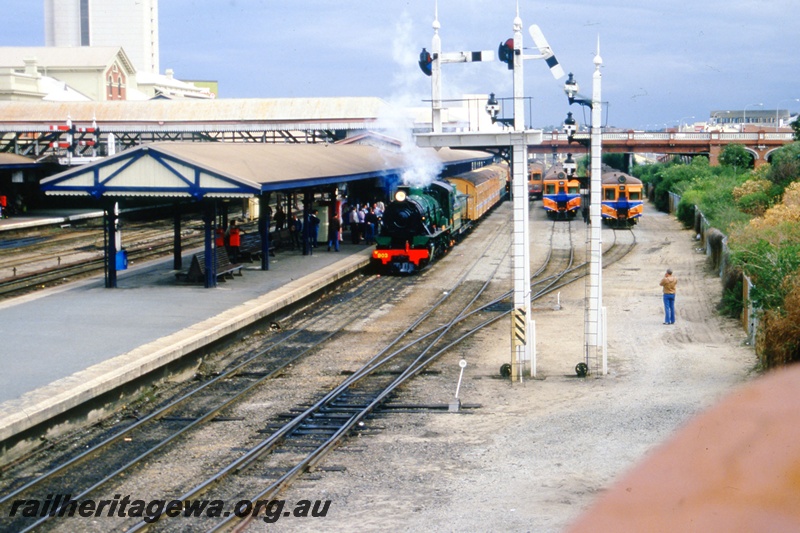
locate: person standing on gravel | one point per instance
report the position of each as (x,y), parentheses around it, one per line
(669,282)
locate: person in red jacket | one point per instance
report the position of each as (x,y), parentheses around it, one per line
(219,237)
(234,240)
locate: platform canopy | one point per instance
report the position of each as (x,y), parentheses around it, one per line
(14,161)
(239,170)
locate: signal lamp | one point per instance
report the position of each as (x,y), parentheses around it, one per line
(570,166)
(425,62)
(505,53)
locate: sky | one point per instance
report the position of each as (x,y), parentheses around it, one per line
(665,62)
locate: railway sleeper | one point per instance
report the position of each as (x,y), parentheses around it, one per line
(322,424)
(331,415)
(426,406)
(392,372)
(344,408)
(249,375)
(315,431)
(193,418)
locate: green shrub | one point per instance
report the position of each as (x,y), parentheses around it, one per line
(685,212)
(785,166)
(732,303)
(755,204)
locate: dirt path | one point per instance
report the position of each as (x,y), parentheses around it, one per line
(537,453)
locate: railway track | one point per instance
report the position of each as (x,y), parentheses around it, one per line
(50,257)
(60,274)
(314,430)
(188,413)
(614,253)
(200,405)
(317,426)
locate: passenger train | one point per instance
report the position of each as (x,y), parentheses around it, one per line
(423,223)
(561,196)
(622,203)
(535,172)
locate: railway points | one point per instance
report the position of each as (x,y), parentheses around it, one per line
(80,341)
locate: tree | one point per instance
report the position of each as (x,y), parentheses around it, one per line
(796,128)
(617,161)
(735,155)
(785,167)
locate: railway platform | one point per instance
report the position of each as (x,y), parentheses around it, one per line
(64,346)
(47,217)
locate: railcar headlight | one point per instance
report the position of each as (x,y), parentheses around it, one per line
(400,196)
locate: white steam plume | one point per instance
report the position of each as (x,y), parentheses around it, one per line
(411,88)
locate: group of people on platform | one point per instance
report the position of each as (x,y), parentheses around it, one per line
(229,238)
(363,221)
(9,207)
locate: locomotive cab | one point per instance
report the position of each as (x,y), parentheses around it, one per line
(562,195)
(622,202)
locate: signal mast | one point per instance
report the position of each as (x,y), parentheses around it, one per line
(518,138)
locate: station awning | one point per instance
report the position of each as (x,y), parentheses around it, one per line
(14,161)
(237,170)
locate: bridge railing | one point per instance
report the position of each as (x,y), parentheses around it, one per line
(674,136)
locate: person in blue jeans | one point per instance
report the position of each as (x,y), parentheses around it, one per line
(669,283)
(334,226)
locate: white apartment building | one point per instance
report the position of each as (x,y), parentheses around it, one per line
(130,24)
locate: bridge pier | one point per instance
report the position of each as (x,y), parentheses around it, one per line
(713,154)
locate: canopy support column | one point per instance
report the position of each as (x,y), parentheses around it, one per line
(209,219)
(111,222)
(177,261)
(308,200)
(263,228)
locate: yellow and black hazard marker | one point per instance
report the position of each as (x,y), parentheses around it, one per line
(518,327)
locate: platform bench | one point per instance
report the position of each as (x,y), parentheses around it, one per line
(197,270)
(250,249)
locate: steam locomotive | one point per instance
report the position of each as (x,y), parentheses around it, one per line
(423,223)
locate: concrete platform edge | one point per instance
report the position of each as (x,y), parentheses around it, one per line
(49,401)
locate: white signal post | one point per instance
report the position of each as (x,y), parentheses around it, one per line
(521,262)
(594,325)
(518,139)
(597,335)
(439,58)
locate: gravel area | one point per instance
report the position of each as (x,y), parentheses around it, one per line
(537,453)
(523,456)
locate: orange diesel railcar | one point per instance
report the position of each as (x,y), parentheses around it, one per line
(622,203)
(561,197)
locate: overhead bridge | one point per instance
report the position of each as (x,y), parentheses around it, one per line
(760,144)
